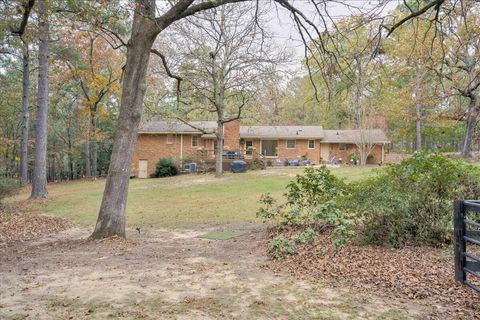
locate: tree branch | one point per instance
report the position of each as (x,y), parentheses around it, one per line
(27,8)
(435,3)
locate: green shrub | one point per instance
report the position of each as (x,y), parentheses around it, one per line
(411,202)
(8,187)
(282,247)
(306,236)
(165,168)
(309,208)
(314,186)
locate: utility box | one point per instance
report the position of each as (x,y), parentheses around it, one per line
(192,167)
(238,166)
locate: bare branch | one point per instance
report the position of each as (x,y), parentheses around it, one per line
(27,8)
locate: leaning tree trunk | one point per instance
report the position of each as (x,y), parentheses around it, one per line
(39,179)
(111,218)
(25,116)
(471,121)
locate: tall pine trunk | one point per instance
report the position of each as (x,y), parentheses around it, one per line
(86,151)
(39,179)
(418,129)
(25,115)
(111,218)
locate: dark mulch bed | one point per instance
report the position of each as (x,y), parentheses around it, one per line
(417,273)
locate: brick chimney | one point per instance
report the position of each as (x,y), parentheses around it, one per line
(231,135)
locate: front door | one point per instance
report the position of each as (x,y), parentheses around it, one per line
(325,151)
(143,169)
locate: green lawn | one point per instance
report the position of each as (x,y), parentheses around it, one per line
(183,201)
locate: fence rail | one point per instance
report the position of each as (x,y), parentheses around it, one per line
(466,234)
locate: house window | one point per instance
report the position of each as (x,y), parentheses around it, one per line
(311,144)
(342,147)
(169,138)
(291,144)
(269,147)
(194,141)
(249,147)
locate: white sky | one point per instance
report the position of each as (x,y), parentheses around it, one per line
(286,34)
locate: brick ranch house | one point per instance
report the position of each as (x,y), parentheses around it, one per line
(182,142)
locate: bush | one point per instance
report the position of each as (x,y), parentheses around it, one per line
(165,168)
(309,207)
(411,202)
(8,187)
(315,186)
(405,204)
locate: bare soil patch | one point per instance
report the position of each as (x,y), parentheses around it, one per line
(420,274)
(172,274)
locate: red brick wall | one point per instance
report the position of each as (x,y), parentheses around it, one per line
(344,155)
(301,148)
(152,147)
(231,138)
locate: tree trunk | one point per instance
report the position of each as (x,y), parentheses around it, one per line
(39,179)
(25,116)
(70,155)
(93,145)
(219,155)
(111,218)
(418,131)
(88,167)
(471,122)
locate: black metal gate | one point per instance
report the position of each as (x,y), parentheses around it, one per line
(466,220)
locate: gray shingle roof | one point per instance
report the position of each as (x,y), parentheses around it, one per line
(271,132)
(355,136)
(297,132)
(177,127)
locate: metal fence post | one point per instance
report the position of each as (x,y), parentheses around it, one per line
(458,240)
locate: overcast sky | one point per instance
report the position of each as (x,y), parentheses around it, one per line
(287,35)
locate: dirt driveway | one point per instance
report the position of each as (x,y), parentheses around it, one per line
(162,274)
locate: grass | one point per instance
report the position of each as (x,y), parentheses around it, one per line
(183,201)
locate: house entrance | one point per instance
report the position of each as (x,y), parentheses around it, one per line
(143,169)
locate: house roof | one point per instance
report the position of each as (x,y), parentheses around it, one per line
(269,132)
(281,132)
(355,136)
(177,127)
